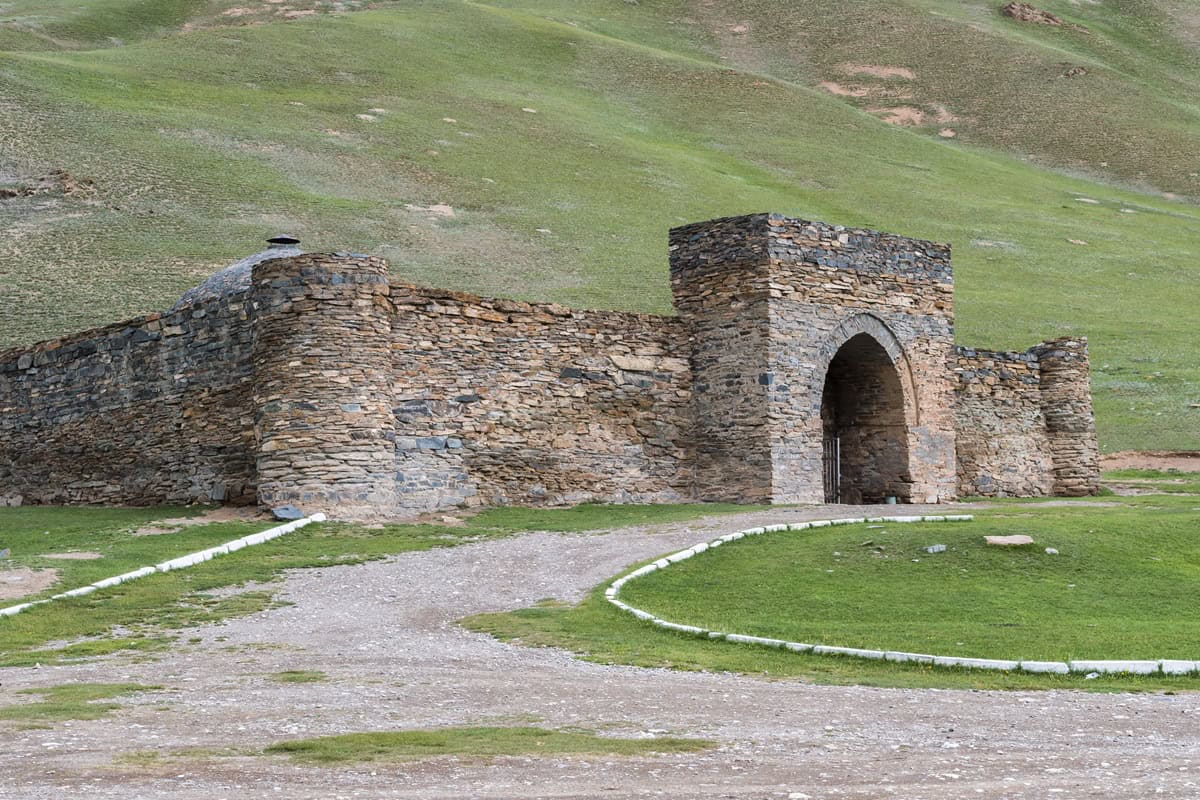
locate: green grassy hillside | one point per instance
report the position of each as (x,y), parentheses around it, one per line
(541,149)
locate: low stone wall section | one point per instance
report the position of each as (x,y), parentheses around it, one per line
(500,401)
(1001,439)
(151,410)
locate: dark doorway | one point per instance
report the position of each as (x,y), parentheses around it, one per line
(863,425)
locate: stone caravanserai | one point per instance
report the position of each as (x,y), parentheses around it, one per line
(806,363)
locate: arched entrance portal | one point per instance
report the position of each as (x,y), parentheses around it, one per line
(864,425)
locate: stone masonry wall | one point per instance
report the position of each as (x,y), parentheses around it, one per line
(499,401)
(151,410)
(327,385)
(1002,444)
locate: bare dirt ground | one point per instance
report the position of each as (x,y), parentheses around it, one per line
(385,633)
(1181,461)
(20,581)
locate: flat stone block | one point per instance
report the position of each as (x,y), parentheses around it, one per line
(829,650)
(674,626)
(287,511)
(820,523)
(799,526)
(974,663)
(901,657)
(798,647)
(1055,667)
(1016,540)
(1176,667)
(1109,667)
(740,639)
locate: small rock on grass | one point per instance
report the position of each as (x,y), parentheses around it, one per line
(287,512)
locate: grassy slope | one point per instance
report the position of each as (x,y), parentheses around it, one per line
(202,143)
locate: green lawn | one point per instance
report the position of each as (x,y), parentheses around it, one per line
(640,117)
(1124,585)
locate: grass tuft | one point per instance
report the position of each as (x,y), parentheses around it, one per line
(72,701)
(480,742)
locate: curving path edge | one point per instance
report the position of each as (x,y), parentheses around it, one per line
(1159,666)
(182,562)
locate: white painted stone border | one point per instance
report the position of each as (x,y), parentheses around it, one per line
(1160,666)
(183,562)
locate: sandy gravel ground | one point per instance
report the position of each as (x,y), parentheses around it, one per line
(385,633)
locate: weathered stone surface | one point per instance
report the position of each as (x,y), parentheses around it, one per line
(287,512)
(328,386)
(1015,540)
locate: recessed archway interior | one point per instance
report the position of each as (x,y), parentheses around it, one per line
(864,428)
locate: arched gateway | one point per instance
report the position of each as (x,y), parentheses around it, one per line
(866,414)
(823,361)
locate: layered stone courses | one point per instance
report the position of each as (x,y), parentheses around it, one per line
(328,385)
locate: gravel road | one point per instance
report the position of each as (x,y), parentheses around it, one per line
(385,633)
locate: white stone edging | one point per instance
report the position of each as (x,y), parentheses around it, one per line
(1160,666)
(183,562)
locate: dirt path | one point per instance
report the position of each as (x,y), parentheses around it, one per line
(385,634)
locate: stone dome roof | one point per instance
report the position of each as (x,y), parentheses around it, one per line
(236,277)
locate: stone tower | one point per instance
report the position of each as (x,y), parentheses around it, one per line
(1070,422)
(821,361)
(322,392)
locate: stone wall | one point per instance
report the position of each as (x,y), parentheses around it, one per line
(499,402)
(1002,444)
(327,385)
(152,410)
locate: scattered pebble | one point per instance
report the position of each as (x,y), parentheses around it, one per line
(529,110)
(1051,551)
(936,548)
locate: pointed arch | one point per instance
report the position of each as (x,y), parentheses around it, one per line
(868,406)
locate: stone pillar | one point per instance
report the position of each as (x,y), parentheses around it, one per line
(718,279)
(324,425)
(1070,423)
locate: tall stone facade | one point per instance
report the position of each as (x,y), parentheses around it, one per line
(807,363)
